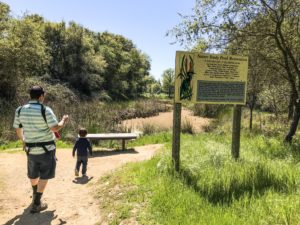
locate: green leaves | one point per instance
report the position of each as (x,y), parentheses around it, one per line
(22,52)
(168,79)
(89,63)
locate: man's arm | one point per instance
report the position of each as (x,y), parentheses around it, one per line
(19,132)
(61,124)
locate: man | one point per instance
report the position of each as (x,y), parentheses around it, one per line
(35,124)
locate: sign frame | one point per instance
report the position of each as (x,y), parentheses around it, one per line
(210,78)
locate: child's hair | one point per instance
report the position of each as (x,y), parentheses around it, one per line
(82,132)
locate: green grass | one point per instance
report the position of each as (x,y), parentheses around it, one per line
(63,144)
(16,146)
(162,137)
(157,138)
(262,187)
(11,145)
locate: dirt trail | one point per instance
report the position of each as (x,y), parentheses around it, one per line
(70,200)
(165,121)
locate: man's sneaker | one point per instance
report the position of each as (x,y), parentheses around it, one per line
(33,196)
(38,208)
(76,173)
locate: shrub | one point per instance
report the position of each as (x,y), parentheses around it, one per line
(187,127)
(148,128)
(210,111)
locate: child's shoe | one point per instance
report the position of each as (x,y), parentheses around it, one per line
(76,173)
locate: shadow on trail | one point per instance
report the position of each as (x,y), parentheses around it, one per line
(103,153)
(27,218)
(82,180)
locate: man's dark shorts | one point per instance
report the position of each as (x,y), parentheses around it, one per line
(42,166)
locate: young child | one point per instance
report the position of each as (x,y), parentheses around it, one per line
(82,146)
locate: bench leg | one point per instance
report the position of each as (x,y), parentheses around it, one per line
(123,144)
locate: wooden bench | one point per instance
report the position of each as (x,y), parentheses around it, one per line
(113,136)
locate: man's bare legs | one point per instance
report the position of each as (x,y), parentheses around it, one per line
(41,184)
(38,186)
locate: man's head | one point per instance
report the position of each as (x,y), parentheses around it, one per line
(37,93)
(82,132)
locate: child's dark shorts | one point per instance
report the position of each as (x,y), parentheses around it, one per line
(42,166)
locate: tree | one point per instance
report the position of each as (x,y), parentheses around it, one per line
(168,79)
(74,57)
(55,38)
(276,24)
(4,17)
(255,84)
(22,52)
(152,86)
(156,87)
(126,66)
(92,64)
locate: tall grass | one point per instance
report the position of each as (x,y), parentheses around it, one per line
(262,187)
(97,117)
(187,127)
(7,112)
(164,137)
(210,111)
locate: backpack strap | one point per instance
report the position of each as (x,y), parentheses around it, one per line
(43,112)
(19,111)
(40,144)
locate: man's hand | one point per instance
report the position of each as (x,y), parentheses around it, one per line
(19,132)
(65,119)
(61,124)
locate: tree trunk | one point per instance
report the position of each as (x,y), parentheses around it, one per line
(291,105)
(252,103)
(251,116)
(294,124)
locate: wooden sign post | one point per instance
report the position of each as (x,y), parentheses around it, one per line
(209,79)
(176,135)
(236,131)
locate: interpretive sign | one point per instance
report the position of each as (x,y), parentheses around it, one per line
(211,78)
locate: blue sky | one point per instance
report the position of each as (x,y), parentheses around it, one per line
(145,22)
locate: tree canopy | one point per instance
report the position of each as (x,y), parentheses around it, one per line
(168,79)
(266,30)
(92,64)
